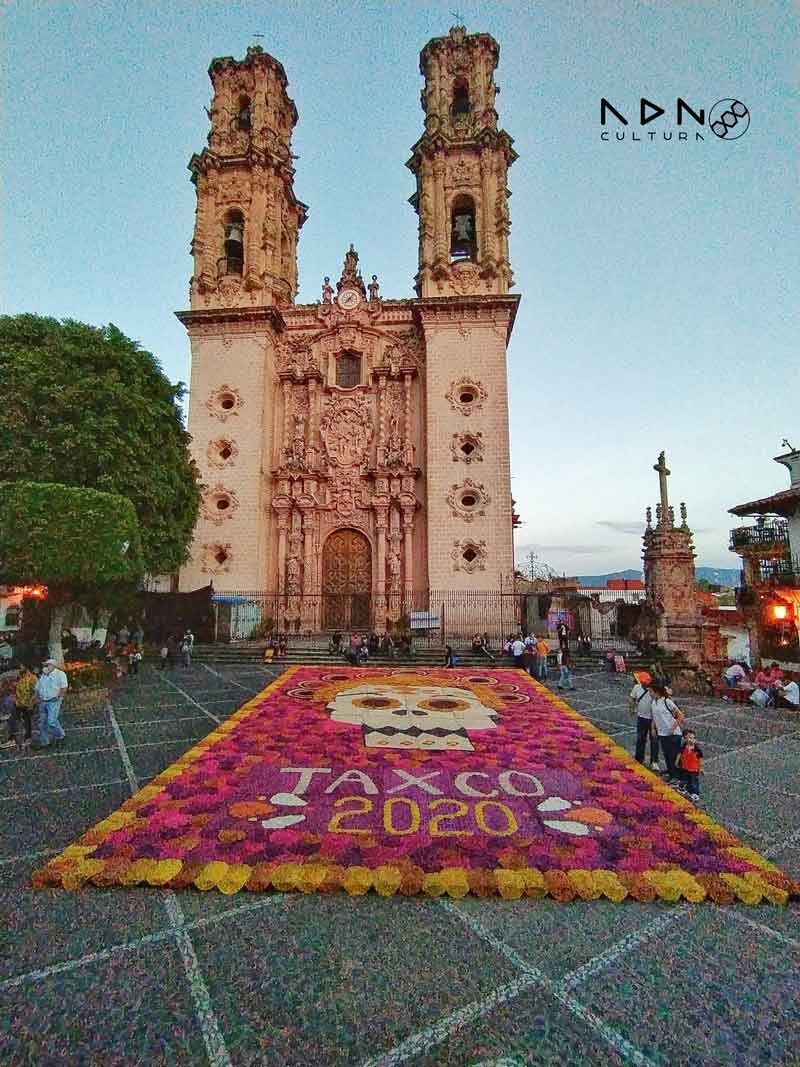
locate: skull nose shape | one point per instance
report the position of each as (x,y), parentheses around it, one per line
(418,711)
(399,711)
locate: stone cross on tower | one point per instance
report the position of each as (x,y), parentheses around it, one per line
(663,472)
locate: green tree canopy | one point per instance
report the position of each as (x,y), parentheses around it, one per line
(83,544)
(87,407)
(68,538)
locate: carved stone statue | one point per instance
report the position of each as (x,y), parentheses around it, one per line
(373,287)
(394,444)
(296,452)
(327,291)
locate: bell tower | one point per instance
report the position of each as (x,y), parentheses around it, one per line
(466,313)
(243,287)
(248,218)
(461,165)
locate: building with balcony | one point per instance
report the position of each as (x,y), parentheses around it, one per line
(770,551)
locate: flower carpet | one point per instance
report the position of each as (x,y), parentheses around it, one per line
(426,781)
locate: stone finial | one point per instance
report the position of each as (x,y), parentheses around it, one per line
(649,516)
(659,514)
(683,517)
(351,277)
(671,513)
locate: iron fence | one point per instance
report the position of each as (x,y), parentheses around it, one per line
(432,617)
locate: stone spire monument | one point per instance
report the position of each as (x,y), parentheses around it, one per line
(672,617)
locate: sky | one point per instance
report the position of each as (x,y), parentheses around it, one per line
(658,278)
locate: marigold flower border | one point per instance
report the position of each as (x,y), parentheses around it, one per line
(74,867)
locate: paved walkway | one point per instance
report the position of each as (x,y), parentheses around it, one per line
(147,977)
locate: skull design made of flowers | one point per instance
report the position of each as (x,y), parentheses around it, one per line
(413,717)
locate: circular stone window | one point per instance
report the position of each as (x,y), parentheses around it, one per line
(223,503)
(467,395)
(468,500)
(227,401)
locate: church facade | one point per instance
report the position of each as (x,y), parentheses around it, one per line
(355,450)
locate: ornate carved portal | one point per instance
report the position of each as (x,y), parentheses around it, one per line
(347,581)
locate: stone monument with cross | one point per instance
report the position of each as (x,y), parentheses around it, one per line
(673,618)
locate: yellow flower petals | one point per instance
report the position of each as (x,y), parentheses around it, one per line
(234,878)
(357,880)
(510,884)
(163,871)
(211,875)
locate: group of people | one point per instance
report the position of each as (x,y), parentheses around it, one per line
(174,646)
(277,646)
(358,648)
(767,687)
(26,691)
(531,654)
(660,721)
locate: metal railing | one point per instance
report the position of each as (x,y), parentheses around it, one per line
(784,571)
(767,536)
(432,617)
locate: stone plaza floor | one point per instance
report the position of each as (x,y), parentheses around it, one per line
(145,976)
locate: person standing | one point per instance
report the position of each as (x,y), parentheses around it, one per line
(187,647)
(542,652)
(668,719)
(640,701)
(50,691)
(24,703)
(690,762)
(518,652)
(563,635)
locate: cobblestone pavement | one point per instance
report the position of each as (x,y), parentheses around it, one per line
(148,977)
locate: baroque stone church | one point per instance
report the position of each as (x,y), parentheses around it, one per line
(355,450)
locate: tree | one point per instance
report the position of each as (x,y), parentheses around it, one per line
(80,542)
(85,406)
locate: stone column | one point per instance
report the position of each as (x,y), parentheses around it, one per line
(486,253)
(381,522)
(313,426)
(283,526)
(408,447)
(308,570)
(381,450)
(287,412)
(439,209)
(408,549)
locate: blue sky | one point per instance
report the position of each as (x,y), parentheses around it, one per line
(658,279)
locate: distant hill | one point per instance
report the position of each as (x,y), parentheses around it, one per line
(728,576)
(602,579)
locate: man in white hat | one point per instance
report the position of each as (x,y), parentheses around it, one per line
(50,690)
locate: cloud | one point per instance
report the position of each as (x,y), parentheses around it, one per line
(576,550)
(623,527)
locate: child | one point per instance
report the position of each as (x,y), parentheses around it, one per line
(690,762)
(565,681)
(164,656)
